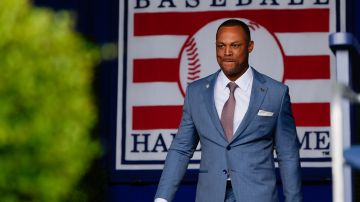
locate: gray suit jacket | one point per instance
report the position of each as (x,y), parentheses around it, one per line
(248,158)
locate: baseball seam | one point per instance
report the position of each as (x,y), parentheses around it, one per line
(193,65)
(253,25)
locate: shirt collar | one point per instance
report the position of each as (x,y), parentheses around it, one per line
(243,81)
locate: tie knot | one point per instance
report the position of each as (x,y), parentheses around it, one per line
(232,86)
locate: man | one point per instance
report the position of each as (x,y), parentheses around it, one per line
(239,116)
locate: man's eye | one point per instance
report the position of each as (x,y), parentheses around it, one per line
(235,45)
(220,46)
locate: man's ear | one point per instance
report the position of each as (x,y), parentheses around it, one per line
(251,46)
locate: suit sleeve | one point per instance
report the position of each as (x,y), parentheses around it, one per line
(180,152)
(287,148)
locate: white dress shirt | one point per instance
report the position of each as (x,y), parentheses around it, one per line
(242,96)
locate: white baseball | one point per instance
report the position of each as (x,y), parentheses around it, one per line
(198,55)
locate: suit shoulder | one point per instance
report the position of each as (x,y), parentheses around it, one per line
(272,82)
(202,82)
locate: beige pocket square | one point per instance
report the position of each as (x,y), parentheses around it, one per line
(265,113)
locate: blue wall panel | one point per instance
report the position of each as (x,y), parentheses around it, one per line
(186,192)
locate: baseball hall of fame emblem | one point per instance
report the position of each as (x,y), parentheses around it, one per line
(165,45)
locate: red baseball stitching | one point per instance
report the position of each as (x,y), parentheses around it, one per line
(193,64)
(253,25)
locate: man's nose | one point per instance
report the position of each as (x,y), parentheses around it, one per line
(228,51)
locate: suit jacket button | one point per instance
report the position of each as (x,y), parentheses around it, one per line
(228,147)
(225,171)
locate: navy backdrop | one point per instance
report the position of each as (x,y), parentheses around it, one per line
(98,20)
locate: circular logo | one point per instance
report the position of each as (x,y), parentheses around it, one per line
(198,55)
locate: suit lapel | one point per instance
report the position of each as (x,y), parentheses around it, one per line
(208,97)
(258,93)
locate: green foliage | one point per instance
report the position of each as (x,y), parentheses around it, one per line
(46,107)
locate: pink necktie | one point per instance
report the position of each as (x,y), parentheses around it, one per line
(227,114)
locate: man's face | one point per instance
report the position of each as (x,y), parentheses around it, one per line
(232,51)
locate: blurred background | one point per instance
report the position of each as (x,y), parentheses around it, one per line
(59,96)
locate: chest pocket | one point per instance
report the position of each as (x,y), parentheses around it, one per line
(262,125)
(265,124)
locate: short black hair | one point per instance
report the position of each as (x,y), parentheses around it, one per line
(236,22)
